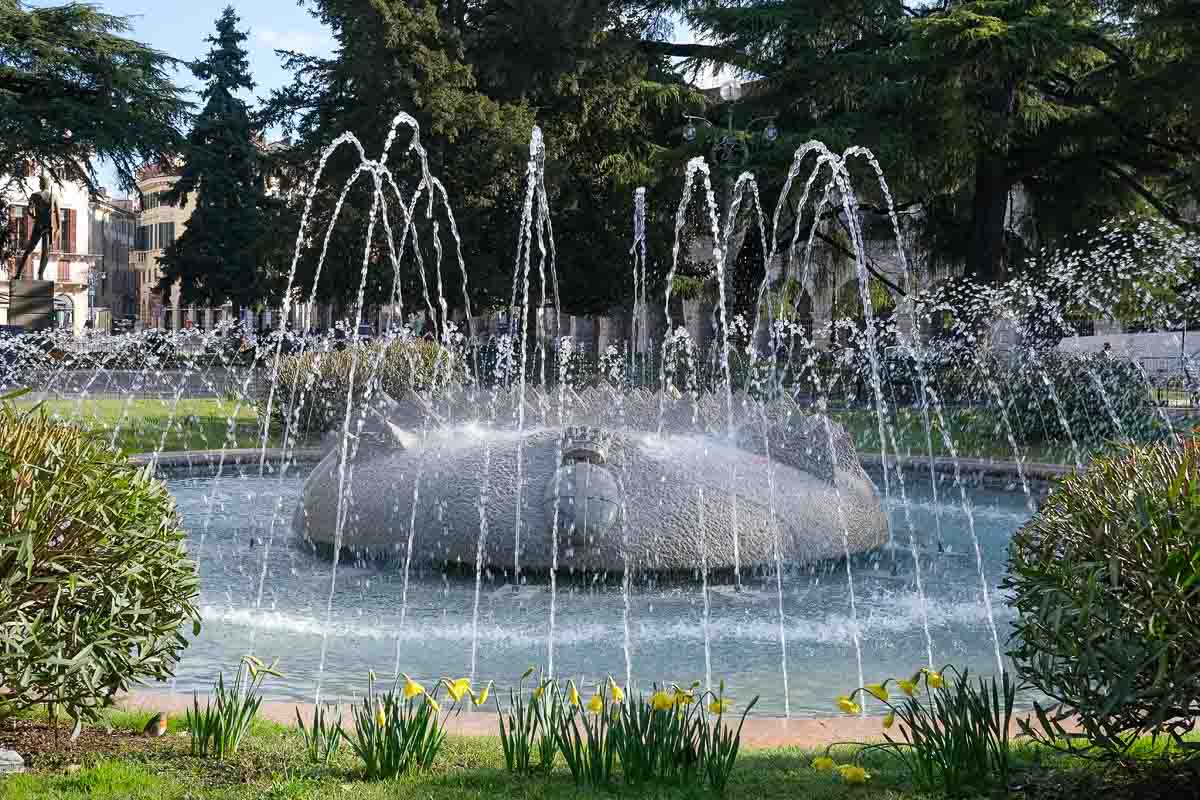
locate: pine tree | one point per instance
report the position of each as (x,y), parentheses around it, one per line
(214,261)
(1084,104)
(75,92)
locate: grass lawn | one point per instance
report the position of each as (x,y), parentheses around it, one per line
(272,764)
(189,424)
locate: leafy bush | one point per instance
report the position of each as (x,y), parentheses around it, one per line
(312,387)
(1106,582)
(94,579)
(953,732)
(219,728)
(1076,379)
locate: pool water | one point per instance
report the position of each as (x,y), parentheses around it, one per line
(265,592)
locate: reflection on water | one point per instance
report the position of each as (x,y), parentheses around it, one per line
(230,525)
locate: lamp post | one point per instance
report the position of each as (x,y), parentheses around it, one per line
(729,147)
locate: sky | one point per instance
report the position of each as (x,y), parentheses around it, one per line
(179,28)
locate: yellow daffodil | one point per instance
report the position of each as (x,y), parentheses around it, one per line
(458,689)
(380,718)
(934,679)
(849,706)
(889,720)
(539,691)
(661,701)
(878,690)
(720,705)
(683,698)
(823,764)
(528,672)
(908,687)
(572,695)
(481,698)
(596,704)
(412,688)
(853,774)
(616,692)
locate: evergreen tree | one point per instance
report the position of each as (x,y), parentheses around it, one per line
(478,76)
(1085,104)
(215,260)
(73,90)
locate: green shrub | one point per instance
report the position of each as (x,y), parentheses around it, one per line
(95,583)
(312,387)
(1075,376)
(219,728)
(1106,583)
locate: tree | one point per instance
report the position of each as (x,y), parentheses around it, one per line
(1084,104)
(478,77)
(215,260)
(73,91)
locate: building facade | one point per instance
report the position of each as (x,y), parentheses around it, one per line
(158,225)
(86,249)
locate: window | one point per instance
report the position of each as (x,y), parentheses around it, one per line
(153,200)
(18,228)
(154,237)
(64,232)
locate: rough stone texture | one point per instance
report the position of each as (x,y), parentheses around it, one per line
(10,762)
(684,493)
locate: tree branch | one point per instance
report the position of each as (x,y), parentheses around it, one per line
(867,262)
(708,52)
(1161,206)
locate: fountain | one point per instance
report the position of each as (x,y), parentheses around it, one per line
(595,476)
(658,519)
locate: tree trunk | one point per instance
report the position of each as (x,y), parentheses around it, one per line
(986,261)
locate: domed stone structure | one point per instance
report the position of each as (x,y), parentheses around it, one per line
(592,467)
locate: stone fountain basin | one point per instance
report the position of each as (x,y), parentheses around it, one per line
(680,499)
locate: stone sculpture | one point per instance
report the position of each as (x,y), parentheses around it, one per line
(623,493)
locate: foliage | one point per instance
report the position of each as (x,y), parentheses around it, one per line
(219,728)
(953,736)
(1083,106)
(590,753)
(403,729)
(322,740)
(477,77)
(1106,583)
(312,387)
(215,260)
(74,92)
(95,582)
(1100,396)
(528,729)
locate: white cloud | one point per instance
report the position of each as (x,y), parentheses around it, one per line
(311,43)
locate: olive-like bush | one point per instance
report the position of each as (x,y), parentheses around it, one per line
(311,387)
(1106,583)
(95,583)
